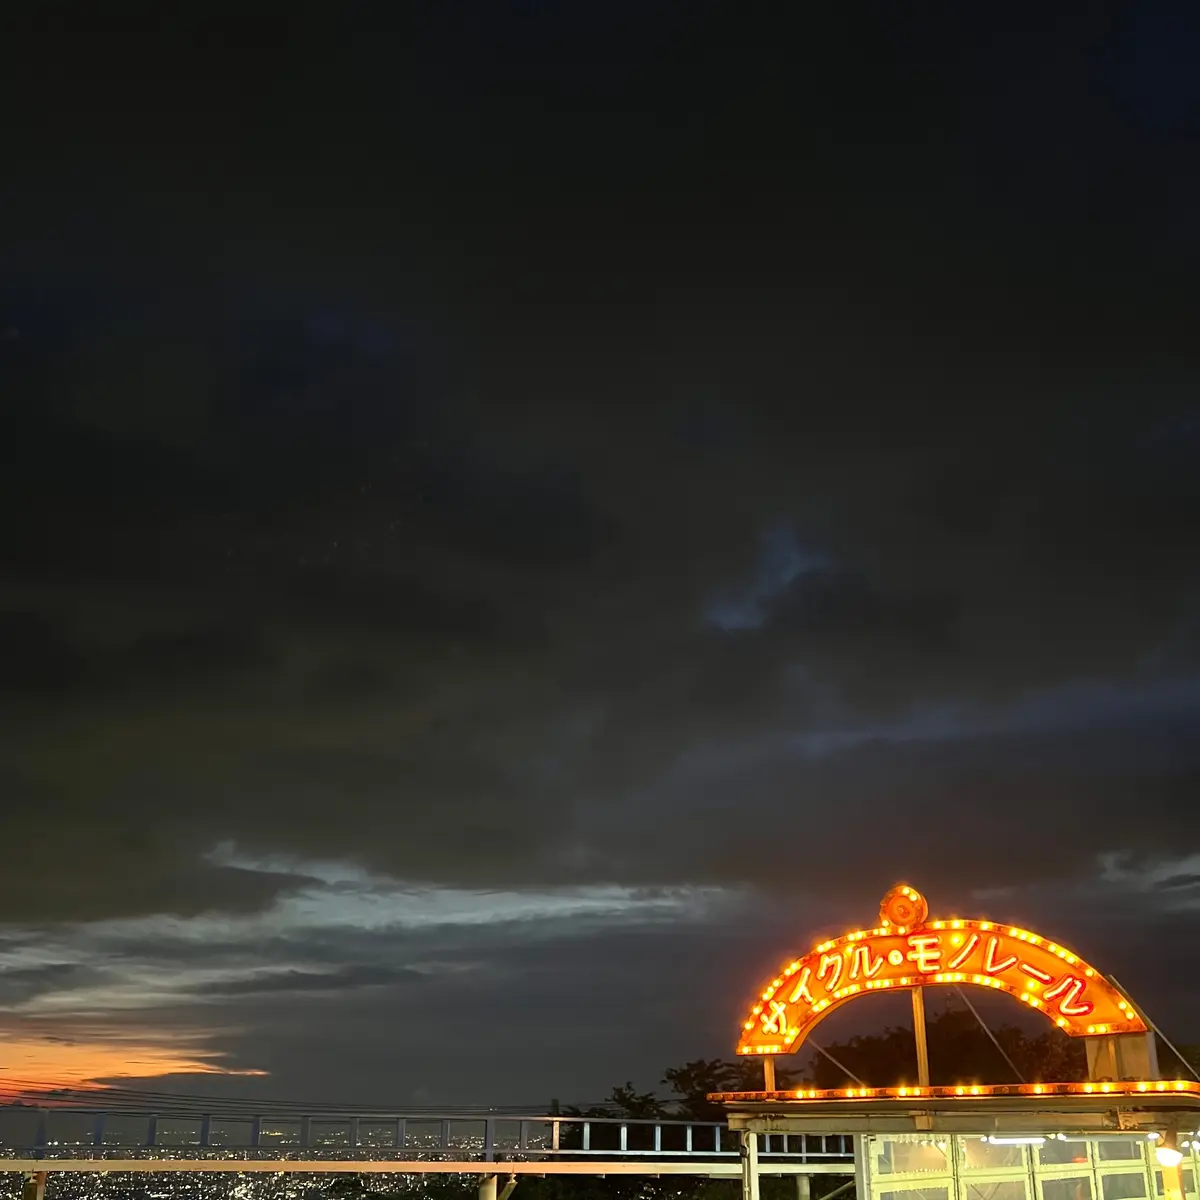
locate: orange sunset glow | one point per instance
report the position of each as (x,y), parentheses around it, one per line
(33,1064)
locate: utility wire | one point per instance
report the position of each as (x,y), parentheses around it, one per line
(835,1062)
(33,1093)
(984,1026)
(1159,1032)
(21,1095)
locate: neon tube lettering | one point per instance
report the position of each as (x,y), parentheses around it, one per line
(990,965)
(925,952)
(1033,972)
(1070,988)
(800,991)
(776,1020)
(861,963)
(837,963)
(962,955)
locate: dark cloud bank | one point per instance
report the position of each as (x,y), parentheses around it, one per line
(558,452)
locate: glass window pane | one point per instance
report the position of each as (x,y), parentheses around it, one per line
(898,1156)
(329,1133)
(539,1135)
(1118,1149)
(378,1135)
(423,1135)
(70,1129)
(981,1155)
(229,1132)
(1128,1185)
(182,1132)
(122,1130)
(19,1128)
(1055,1153)
(273,1132)
(1189,1181)
(467,1135)
(1008,1189)
(1076,1187)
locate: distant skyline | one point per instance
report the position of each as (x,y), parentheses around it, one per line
(523,518)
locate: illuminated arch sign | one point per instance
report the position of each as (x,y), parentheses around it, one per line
(909,950)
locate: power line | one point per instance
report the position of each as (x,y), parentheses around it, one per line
(835,1062)
(984,1026)
(1170,1045)
(33,1093)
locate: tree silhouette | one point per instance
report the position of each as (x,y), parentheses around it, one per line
(959,1052)
(694,1081)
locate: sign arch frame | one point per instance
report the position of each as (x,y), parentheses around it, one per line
(907,950)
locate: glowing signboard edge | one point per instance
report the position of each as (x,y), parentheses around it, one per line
(968,1091)
(903,901)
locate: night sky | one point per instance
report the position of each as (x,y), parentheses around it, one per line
(520,516)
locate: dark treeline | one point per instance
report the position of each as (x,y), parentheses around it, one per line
(960,1051)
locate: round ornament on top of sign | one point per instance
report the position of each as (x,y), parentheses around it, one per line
(903,907)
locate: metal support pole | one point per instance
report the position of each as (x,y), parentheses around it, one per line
(862,1166)
(1149,1069)
(487,1188)
(918,1006)
(769,1073)
(749,1165)
(1172,1181)
(803,1187)
(35,1186)
(509,1188)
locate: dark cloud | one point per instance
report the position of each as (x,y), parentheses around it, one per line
(18,985)
(581,448)
(1182,882)
(309,982)
(349,679)
(179,656)
(394,601)
(36,657)
(117,859)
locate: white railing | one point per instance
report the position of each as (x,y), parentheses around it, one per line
(50,1133)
